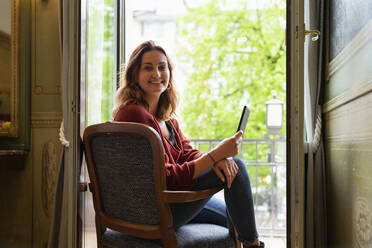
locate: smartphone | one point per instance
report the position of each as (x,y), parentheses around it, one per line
(243,119)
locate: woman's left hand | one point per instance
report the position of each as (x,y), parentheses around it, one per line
(229,168)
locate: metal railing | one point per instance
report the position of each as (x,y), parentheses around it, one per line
(266,165)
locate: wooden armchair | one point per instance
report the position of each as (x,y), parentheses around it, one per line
(126,168)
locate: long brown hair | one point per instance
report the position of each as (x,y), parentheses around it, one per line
(130,92)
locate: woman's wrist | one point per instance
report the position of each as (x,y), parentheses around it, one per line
(211,157)
(214,155)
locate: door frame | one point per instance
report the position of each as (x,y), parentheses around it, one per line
(294,136)
(295,124)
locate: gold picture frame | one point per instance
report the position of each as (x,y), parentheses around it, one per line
(10,127)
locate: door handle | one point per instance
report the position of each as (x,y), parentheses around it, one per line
(314,32)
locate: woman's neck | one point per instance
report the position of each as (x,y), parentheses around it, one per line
(153,105)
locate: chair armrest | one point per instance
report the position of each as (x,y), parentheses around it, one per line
(188,196)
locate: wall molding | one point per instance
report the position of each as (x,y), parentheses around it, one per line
(364,35)
(358,90)
(50,155)
(355,139)
(46,119)
(43,42)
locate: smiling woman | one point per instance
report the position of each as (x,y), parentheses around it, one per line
(146,96)
(152,65)
(153,76)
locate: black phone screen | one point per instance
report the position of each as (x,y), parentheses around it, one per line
(243,119)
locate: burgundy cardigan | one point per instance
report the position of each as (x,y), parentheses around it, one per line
(179,159)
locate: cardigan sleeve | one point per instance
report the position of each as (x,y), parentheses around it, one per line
(179,176)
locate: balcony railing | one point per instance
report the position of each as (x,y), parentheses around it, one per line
(266,165)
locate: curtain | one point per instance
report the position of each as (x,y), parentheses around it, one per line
(95,59)
(100,60)
(59,231)
(314,78)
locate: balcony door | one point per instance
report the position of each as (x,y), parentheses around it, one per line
(100,78)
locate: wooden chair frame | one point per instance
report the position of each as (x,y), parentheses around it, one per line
(165,230)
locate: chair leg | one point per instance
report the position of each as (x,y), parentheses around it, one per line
(169,238)
(232,231)
(99,231)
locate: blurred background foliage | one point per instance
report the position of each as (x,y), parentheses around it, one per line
(233,57)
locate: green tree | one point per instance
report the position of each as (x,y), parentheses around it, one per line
(234,57)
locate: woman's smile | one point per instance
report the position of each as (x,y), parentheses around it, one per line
(153,76)
(156,81)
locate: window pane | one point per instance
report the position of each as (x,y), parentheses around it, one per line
(100,60)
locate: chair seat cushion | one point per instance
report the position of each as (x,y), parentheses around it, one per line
(204,235)
(188,236)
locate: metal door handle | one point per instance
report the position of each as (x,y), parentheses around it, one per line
(312,32)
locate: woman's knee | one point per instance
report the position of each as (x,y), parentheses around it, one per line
(240,163)
(242,168)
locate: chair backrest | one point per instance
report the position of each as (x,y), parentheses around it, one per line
(126,167)
(122,159)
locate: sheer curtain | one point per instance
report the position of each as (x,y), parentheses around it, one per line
(63,226)
(100,60)
(314,62)
(94,59)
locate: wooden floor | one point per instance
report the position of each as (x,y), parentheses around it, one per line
(90,241)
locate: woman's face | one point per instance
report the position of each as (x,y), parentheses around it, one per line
(153,75)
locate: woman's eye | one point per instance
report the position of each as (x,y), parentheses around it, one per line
(162,68)
(147,68)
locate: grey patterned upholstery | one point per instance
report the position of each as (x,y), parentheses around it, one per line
(125,172)
(188,236)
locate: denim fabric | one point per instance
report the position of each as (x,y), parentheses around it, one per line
(238,199)
(214,212)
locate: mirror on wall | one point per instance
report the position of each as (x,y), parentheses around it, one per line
(9,79)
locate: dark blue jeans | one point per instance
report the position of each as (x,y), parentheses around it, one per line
(213,212)
(238,200)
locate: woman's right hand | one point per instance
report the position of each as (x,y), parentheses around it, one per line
(228,147)
(226,168)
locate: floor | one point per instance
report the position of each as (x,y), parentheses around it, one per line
(90,241)
(274,242)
